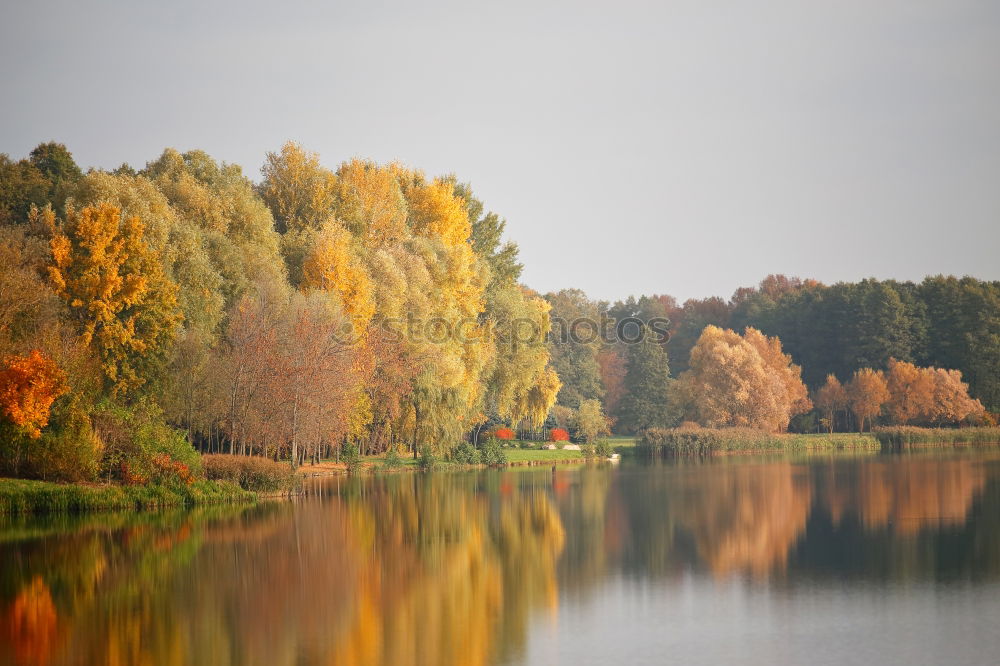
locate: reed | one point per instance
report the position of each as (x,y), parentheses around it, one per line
(23,496)
(899,437)
(713,441)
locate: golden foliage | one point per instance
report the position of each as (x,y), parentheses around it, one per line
(831,398)
(115,288)
(333,264)
(299,191)
(436,211)
(866,393)
(742,381)
(370,203)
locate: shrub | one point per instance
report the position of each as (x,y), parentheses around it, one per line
(604,449)
(558,435)
(170,472)
(505,434)
(66,451)
(587,450)
(465,454)
(392,459)
(426,462)
(492,453)
(249,472)
(133,436)
(589,422)
(351,458)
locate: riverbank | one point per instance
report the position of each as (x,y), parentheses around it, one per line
(901,437)
(720,441)
(25,496)
(518,455)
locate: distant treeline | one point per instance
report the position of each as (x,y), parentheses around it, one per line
(943,322)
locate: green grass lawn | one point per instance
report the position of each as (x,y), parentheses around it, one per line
(541,455)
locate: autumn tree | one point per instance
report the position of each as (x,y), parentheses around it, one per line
(866,393)
(612,365)
(831,399)
(952,403)
(589,421)
(28,387)
(334,264)
(911,392)
(311,379)
(220,209)
(370,202)
(743,381)
(179,242)
(116,292)
(299,191)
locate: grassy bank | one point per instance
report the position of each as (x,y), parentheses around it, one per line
(713,441)
(22,496)
(904,436)
(531,456)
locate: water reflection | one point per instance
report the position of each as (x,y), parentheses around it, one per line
(464,568)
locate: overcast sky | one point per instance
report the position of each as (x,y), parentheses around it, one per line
(664,147)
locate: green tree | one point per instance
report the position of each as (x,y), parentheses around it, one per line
(647,384)
(574,344)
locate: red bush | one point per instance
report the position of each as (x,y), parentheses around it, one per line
(167,470)
(558,435)
(505,434)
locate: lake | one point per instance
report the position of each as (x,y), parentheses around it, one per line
(834,559)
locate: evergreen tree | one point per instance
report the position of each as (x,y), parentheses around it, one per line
(647,380)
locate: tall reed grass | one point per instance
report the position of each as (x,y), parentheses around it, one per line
(898,437)
(710,441)
(23,496)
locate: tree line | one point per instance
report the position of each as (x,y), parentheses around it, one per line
(376,308)
(944,325)
(144,309)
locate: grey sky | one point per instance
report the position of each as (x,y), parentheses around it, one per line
(669,147)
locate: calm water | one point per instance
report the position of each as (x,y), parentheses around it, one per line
(864,560)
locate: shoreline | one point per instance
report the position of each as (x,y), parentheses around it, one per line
(27,496)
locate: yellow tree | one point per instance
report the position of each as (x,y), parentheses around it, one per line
(951,401)
(117,294)
(742,381)
(437,211)
(866,393)
(911,392)
(370,203)
(539,399)
(520,323)
(830,399)
(300,192)
(589,422)
(333,265)
(787,375)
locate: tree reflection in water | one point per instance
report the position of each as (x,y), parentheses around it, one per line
(453,568)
